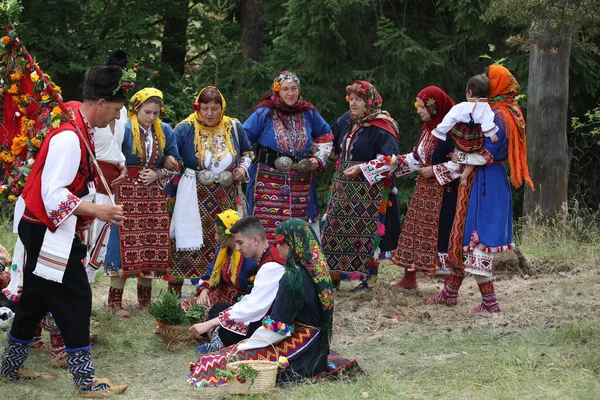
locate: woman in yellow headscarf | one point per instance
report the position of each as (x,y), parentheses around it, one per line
(141,247)
(229,276)
(216,154)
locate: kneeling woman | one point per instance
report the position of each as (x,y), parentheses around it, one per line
(300,323)
(141,247)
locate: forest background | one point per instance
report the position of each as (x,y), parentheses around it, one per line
(401,46)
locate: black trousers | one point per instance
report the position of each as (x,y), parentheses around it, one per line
(229,337)
(70,302)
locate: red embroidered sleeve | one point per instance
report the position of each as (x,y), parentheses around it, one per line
(231,325)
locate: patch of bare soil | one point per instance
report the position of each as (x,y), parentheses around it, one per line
(536,299)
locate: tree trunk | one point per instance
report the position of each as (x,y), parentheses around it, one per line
(547,106)
(174,41)
(253,28)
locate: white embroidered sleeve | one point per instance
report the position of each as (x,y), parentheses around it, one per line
(255,305)
(262,337)
(408,165)
(482,157)
(441,131)
(322,151)
(62,164)
(446,172)
(374,171)
(488,126)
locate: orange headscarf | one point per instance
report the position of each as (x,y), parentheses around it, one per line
(504,89)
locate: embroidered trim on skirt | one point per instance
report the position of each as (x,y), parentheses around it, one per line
(418,242)
(212,200)
(279,196)
(350,229)
(144,238)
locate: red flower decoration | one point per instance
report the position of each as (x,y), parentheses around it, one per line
(280,239)
(196,106)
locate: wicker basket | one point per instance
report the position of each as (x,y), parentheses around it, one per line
(264,381)
(173,335)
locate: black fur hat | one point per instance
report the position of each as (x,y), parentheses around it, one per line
(118,57)
(104,83)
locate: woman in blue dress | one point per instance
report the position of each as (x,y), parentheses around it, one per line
(140,248)
(216,155)
(293,141)
(483,224)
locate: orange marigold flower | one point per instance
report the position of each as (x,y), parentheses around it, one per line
(45,97)
(31,122)
(276,87)
(5,39)
(14,89)
(56,111)
(16,76)
(36,142)
(57,89)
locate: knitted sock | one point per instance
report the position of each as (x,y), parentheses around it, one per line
(449,294)
(115,302)
(409,281)
(215,344)
(83,371)
(489,302)
(14,357)
(58,343)
(37,341)
(175,288)
(144,293)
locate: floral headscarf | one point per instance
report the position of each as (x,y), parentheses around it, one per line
(224,222)
(373,114)
(437,102)
(504,89)
(135,103)
(273,101)
(203,132)
(306,251)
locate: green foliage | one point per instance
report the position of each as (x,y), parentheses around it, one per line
(242,372)
(169,311)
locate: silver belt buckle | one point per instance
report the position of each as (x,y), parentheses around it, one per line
(225,179)
(205,177)
(302,165)
(284,164)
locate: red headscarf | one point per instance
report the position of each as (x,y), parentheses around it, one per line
(437,102)
(504,89)
(275,103)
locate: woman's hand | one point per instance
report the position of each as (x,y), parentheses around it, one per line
(109,213)
(203,297)
(239,174)
(147,176)
(170,163)
(353,171)
(201,328)
(121,176)
(314,164)
(426,172)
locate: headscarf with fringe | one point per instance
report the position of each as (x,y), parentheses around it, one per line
(504,89)
(203,134)
(225,221)
(373,114)
(135,103)
(306,252)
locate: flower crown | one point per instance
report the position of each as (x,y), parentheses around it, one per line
(276,86)
(127,80)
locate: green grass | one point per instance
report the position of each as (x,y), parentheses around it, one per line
(543,345)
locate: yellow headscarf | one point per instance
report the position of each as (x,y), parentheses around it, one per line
(228,218)
(202,132)
(134,105)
